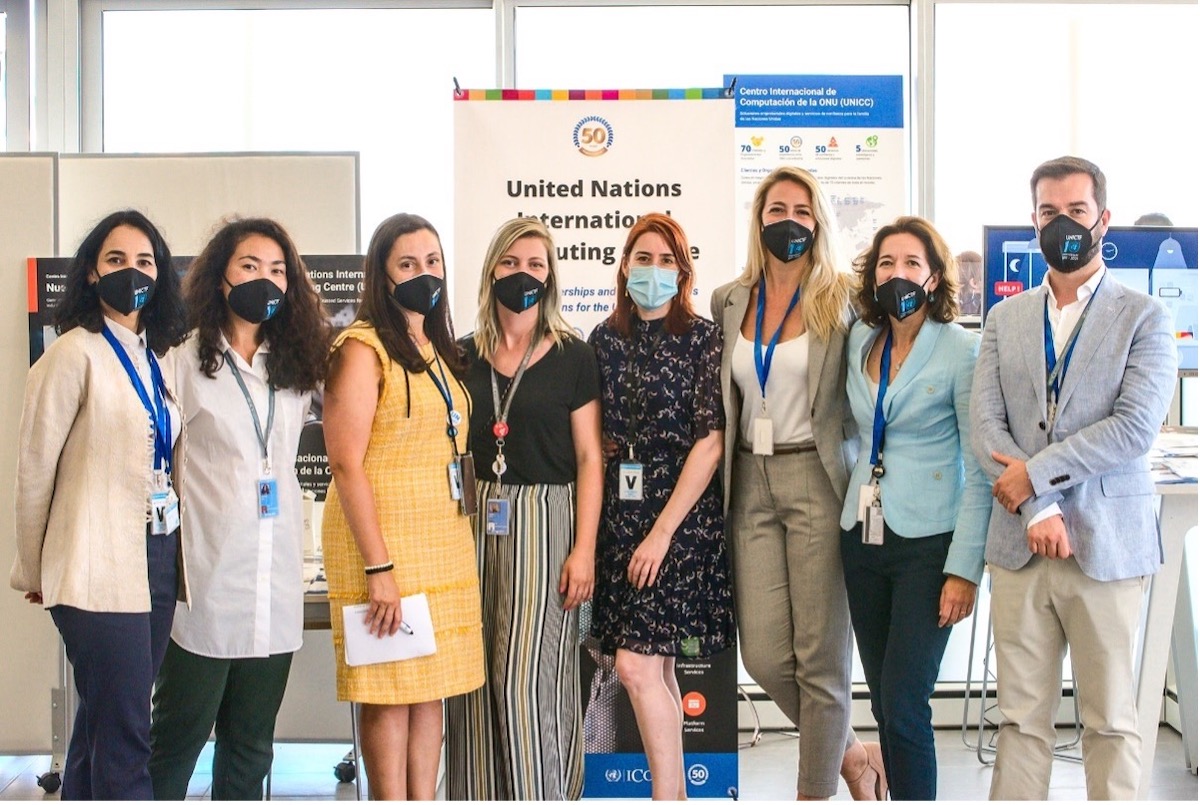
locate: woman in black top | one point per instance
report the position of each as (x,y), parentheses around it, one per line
(535,435)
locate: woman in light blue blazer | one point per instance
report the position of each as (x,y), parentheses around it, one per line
(915,516)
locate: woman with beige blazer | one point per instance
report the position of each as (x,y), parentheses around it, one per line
(783,378)
(97,517)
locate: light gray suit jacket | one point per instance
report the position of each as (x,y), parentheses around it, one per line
(831,421)
(1092,462)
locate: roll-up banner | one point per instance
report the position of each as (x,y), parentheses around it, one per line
(848,131)
(588,163)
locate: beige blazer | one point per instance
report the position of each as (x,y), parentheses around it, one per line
(83,480)
(833,427)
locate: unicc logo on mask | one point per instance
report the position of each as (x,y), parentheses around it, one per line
(787,239)
(1067,244)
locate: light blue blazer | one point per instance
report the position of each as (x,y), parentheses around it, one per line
(932,482)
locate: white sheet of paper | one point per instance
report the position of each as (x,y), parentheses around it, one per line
(364,648)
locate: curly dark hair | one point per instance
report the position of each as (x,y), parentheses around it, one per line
(162,320)
(299,333)
(378,309)
(943,302)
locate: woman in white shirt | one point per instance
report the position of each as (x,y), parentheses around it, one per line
(97,517)
(246,375)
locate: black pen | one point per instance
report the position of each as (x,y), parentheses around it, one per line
(404,627)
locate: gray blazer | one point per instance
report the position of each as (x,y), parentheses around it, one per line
(831,421)
(1092,462)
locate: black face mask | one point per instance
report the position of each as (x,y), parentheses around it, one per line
(787,239)
(126,290)
(900,298)
(419,294)
(1067,244)
(518,292)
(255,300)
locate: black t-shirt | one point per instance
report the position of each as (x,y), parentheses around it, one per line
(539,448)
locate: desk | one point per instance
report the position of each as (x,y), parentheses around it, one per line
(1177,514)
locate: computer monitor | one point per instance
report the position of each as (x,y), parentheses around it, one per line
(1158,260)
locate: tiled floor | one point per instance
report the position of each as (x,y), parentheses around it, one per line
(305,771)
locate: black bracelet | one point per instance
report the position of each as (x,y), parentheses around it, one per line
(373,569)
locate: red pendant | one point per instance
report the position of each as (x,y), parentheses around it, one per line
(500,430)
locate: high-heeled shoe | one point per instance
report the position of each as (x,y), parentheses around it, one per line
(871,783)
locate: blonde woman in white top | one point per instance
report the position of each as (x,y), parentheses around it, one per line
(97,517)
(246,376)
(783,378)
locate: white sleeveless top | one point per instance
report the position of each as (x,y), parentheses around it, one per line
(788,403)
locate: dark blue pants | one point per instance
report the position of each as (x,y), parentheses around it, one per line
(894,591)
(116,656)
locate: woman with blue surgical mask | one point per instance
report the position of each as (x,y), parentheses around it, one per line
(662,582)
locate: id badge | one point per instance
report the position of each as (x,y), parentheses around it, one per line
(630,480)
(496,517)
(268,498)
(164,511)
(873,525)
(764,436)
(867,494)
(454,474)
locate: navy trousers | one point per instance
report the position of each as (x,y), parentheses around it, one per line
(115,656)
(894,591)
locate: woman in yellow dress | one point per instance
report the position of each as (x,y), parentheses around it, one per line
(395,420)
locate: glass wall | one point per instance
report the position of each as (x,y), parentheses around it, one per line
(1020,83)
(3,81)
(373,81)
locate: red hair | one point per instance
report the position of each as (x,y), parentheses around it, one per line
(680,315)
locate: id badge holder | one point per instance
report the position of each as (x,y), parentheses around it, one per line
(496,517)
(630,479)
(764,436)
(268,498)
(454,475)
(872,528)
(468,503)
(164,506)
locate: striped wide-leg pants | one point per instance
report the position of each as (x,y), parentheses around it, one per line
(520,736)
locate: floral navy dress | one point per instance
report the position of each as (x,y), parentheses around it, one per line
(676,385)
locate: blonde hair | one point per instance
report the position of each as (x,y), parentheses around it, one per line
(549,318)
(826,286)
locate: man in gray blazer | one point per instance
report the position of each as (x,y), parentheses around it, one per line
(1061,420)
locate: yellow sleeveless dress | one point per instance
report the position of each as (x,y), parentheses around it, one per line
(430,543)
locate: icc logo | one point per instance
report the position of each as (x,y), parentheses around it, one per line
(697,774)
(593,136)
(612,775)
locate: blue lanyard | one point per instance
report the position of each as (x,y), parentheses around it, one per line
(762,363)
(885,369)
(159,413)
(453,418)
(1056,369)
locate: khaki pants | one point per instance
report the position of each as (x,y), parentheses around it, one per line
(1037,612)
(790,597)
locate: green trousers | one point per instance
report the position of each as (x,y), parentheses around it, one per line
(240,698)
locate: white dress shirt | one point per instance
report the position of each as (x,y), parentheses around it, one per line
(245,572)
(1062,322)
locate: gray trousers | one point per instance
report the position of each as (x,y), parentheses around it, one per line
(790,595)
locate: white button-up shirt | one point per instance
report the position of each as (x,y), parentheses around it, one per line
(245,572)
(135,347)
(1062,322)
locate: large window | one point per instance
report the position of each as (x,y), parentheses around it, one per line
(3,81)
(1018,84)
(375,81)
(693,46)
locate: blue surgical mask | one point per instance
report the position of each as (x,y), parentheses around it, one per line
(651,287)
